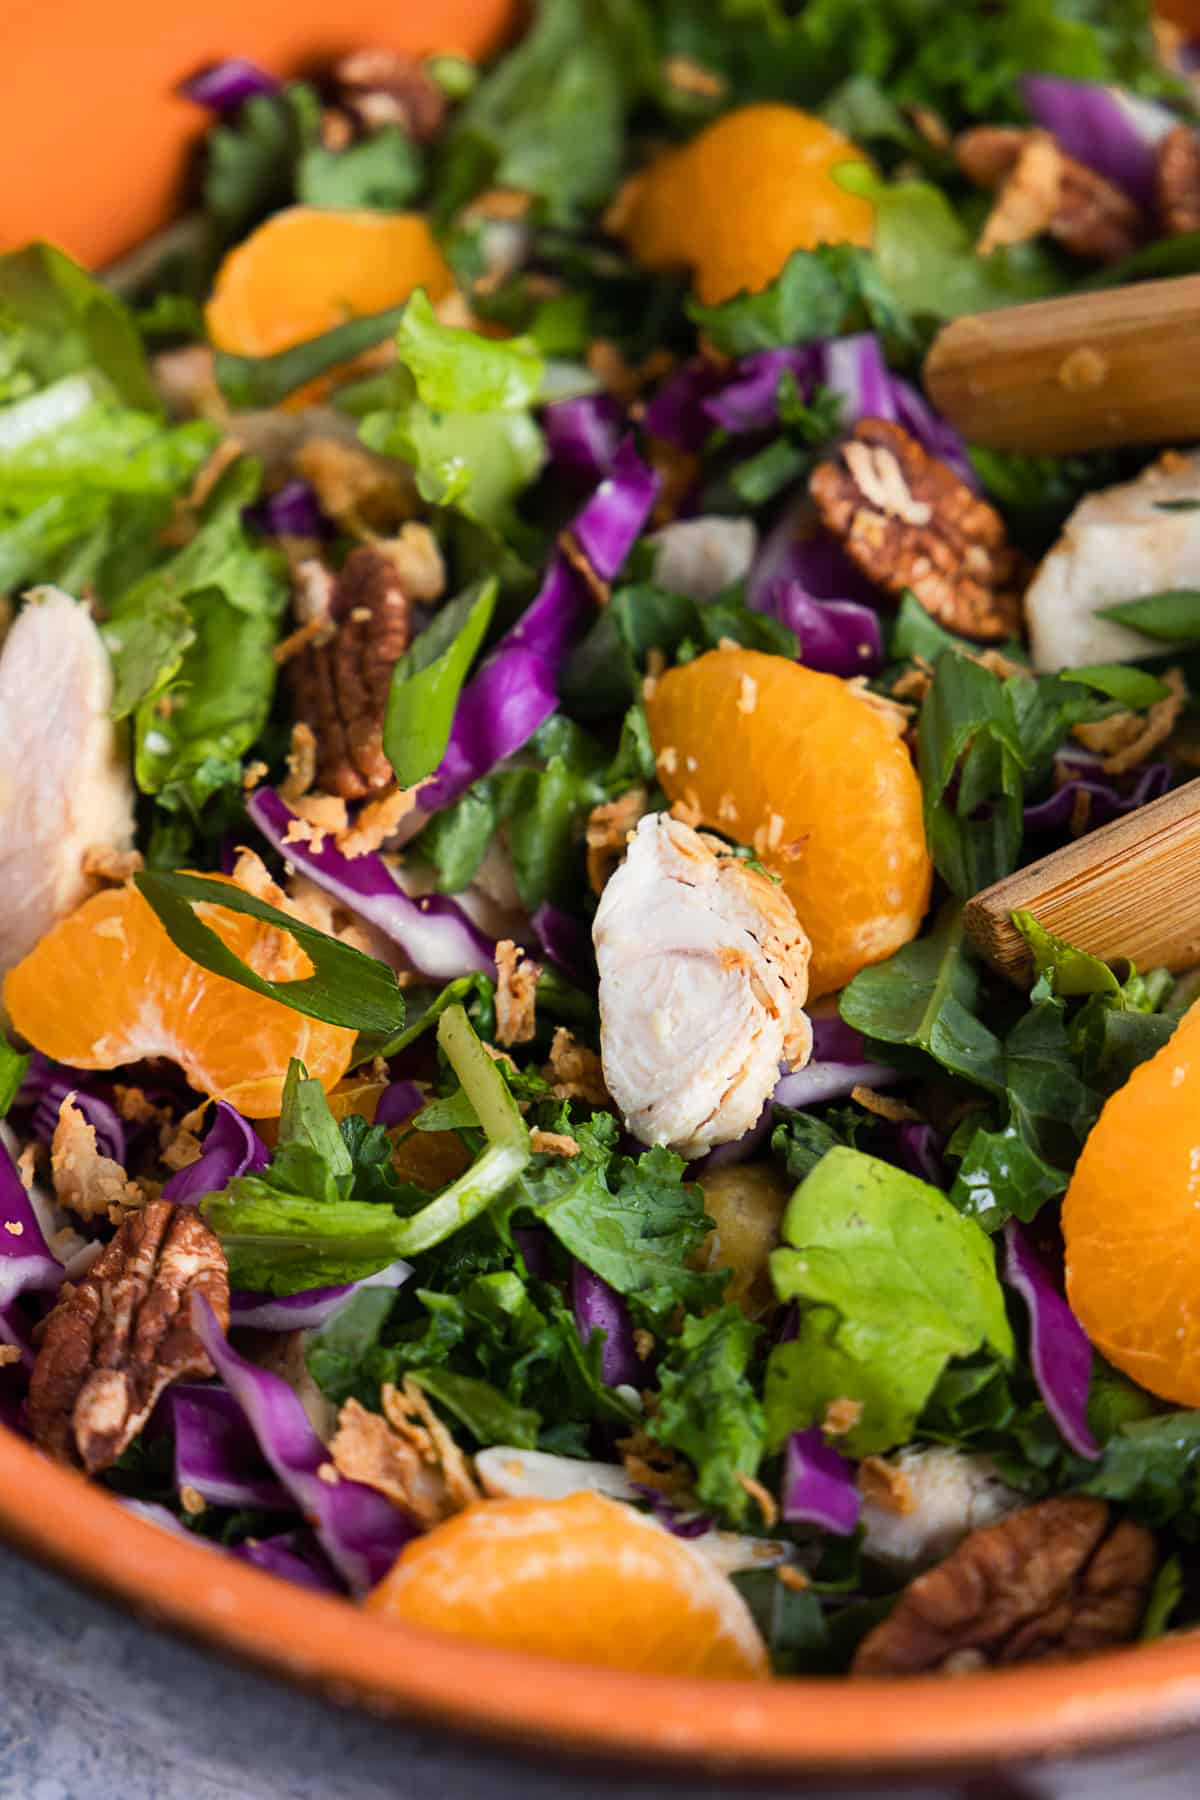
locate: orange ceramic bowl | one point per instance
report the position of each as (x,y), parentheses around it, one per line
(92,144)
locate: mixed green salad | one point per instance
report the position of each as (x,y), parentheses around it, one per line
(507,688)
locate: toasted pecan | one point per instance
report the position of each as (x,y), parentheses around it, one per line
(384,87)
(908,522)
(340,687)
(124,1333)
(1055,1579)
(1039,188)
(1177,182)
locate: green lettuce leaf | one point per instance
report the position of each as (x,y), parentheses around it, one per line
(56,319)
(12,1073)
(383,173)
(631,1220)
(549,118)
(151,626)
(460,416)
(708,1409)
(892,1283)
(427,681)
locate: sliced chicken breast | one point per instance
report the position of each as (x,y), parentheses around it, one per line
(65,786)
(703,977)
(1118,544)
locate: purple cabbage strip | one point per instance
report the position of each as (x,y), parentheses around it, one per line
(294,1556)
(1108,802)
(1058,1346)
(598,1307)
(216,1454)
(398,1101)
(677,414)
(292,511)
(232,1148)
(934,434)
(515,690)
(434,933)
(838,1065)
(749,401)
(567,943)
(164,1518)
(818,1486)
(1112,132)
(583,433)
(533,1241)
(740,1150)
(360,1531)
(311,1307)
(608,524)
(835,637)
(46,1086)
(225,86)
(918,1148)
(27,1265)
(679,1524)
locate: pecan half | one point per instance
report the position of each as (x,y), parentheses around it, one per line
(124,1334)
(340,687)
(1055,1579)
(382,87)
(907,521)
(1177,181)
(1042,189)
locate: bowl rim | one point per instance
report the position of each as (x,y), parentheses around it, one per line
(806,1725)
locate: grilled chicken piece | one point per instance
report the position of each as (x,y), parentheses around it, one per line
(703,977)
(952,1494)
(1118,544)
(65,787)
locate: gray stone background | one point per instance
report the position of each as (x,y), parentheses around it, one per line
(93,1706)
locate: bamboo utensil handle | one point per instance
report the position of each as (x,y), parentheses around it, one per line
(1130,889)
(1109,367)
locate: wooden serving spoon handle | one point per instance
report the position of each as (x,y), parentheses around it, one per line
(1105,368)
(1130,889)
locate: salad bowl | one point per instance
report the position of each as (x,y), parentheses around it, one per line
(102,169)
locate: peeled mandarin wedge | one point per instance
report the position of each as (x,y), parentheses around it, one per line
(107,986)
(734,203)
(305,271)
(585,1579)
(1131,1220)
(812,778)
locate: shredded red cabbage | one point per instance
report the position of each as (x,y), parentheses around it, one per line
(309,1309)
(292,511)
(360,1531)
(598,1307)
(398,1101)
(533,1241)
(818,1486)
(435,935)
(46,1086)
(294,1556)
(679,1524)
(835,637)
(567,943)
(1058,1346)
(225,86)
(918,1148)
(232,1148)
(583,433)
(515,690)
(27,1265)
(1109,797)
(215,1451)
(1113,132)
(838,1065)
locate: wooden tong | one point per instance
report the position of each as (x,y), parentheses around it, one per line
(1109,367)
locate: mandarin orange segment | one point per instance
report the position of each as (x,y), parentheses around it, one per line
(585,1579)
(815,780)
(734,203)
(305,271)
(1131,1220)
(107,986)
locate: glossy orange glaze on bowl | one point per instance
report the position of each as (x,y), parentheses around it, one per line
(92,145)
